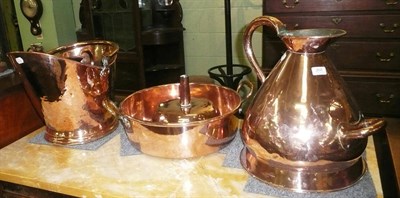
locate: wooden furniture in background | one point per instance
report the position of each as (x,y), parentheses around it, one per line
(387,148)
(150,37)
(17,115)
(368,56)
(393,137)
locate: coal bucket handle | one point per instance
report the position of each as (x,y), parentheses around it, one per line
(362,129)
(247,39)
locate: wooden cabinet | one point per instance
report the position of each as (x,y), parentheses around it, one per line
(17,115)
(150,37)
(11,190)
(368,56)
(387,148)
(162,42)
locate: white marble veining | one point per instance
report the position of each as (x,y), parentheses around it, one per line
(104,173)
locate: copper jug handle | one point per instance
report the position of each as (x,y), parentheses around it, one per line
(248,34)
(362,129)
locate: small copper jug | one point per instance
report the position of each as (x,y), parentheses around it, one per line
(303,131)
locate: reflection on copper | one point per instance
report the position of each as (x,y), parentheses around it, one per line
(185,109)
(322,179)
(303,131)
(89,52)
(176,139)
(68,94)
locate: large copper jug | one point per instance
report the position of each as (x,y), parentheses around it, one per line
(69,87)
(303,131)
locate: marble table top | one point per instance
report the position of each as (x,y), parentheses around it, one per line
(104,172)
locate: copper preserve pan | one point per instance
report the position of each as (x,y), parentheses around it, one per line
(180,139)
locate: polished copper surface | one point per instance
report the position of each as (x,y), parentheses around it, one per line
(179,139)
(96,52)
(68,94)
(185,108)
(324,180)
(303,127)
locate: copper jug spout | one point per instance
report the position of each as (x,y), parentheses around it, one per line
(362,129)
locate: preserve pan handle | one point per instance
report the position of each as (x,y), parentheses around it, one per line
(247,40)
(112,108)
(249,85)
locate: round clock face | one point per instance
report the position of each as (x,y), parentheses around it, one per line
(29,8)
(32,10)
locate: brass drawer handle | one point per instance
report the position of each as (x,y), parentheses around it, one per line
(388,29)
(391,2)
(284,2)
(383,99)
(336,20)
(295,26)
(335,46)
(379,56)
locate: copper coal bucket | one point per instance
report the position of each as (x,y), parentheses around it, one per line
(69,90)
(303,131)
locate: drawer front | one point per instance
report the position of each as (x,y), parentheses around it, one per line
(376,98)
(381,56)
(376,56)
(356,26)
(279,6)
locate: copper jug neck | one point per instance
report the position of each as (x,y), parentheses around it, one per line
(309,40)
